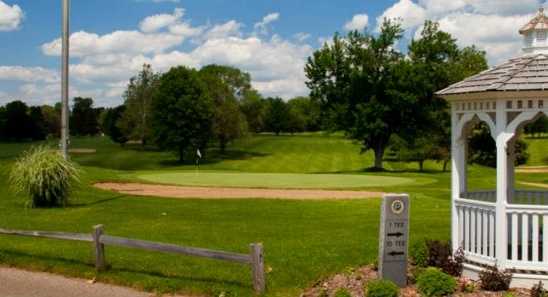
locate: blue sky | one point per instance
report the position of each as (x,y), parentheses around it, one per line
(269,39)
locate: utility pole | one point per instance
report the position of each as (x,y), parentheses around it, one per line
(65,80)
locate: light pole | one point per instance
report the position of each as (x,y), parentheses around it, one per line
(65,80)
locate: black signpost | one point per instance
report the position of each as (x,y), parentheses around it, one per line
(394,235)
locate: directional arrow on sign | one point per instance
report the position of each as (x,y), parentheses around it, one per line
(396,254)
(397,234)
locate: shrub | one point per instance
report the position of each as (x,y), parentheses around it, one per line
(419,253)
(439,255)
(342,293)
(381,288)
(44,176)
(493,279)
(539,291)
(434,282)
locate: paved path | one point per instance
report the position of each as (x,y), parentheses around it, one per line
(20,283)
(231,193)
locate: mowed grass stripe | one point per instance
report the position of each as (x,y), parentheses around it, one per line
(279,181)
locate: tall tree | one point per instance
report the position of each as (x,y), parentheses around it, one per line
(83,118)
(223,84)
(253,107)
(138,97)
(308,111)
(110,124)
(182,112)
(276,116)
(18,122)
(38,129)
(52,118)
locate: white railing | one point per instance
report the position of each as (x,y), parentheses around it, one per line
(476,232)
(527,197)
(528,237)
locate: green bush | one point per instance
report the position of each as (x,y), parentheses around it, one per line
(381,288)
(44,176)
(342,293)
(433,283)
(419,253)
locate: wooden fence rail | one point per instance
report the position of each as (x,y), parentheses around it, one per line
(255,258)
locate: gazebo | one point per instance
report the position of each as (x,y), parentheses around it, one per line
(504,227)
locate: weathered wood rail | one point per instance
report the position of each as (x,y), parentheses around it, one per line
(255,258)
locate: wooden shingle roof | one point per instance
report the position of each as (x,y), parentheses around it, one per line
(526,73)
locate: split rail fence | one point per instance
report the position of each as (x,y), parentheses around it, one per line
(255,258)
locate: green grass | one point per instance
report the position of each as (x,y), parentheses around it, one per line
(304,240)
(277,180)
(537,149)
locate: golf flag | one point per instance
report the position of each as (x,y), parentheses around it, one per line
(199,154)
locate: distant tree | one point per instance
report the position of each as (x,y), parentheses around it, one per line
(18,122)
(52,119)
(228,123)
(182,112)
(538,127)
(482,148)
(237,81)
(419,150)
(83,118)
(110,124)
(135,122)
(254,108)
(329,79)
(38,129)
(308,111)
(3,122)
(276,116)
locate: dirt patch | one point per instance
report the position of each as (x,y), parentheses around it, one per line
(539,185)
(231,193)
(354,282)
(536,169)
(82,151)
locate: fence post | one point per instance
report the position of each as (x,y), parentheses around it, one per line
(257,267)
(99,248)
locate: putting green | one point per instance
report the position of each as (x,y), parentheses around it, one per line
(275,180)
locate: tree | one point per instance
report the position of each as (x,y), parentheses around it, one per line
(309,111)
(253,106)
(52,119)
(135,123)
(38,129)
(277,115)
(538,127)
(83,118)
(237,81)
(483,150)
(329,77)
(182,112)
(18,122)
(223,83)
(110,124)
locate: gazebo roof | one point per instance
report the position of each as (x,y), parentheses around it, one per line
(526,73)
(540,22)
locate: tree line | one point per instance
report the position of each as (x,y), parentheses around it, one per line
(361,84)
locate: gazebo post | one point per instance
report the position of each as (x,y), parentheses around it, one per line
(502,185)
(458,176)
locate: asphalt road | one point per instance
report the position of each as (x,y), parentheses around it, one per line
(19,283)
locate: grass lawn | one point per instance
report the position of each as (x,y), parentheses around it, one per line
(278,180)
(304,240)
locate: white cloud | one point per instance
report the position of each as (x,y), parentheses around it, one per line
(10,16)
(358,22)
(128,42)
(410,13)
(262,26)
(492,25)
(230,28)
(159,21)
(27,74)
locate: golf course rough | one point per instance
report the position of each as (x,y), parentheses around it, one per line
(276,180)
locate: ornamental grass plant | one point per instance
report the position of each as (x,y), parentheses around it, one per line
(44,176)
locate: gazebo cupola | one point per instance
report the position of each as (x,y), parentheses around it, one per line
(506,227)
